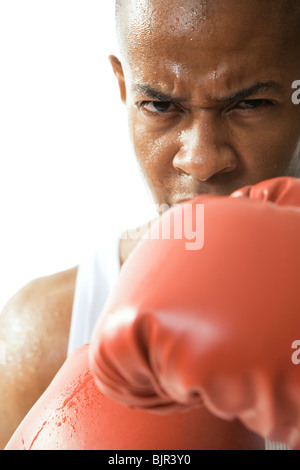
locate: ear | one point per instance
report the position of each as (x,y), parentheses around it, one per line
(118,71)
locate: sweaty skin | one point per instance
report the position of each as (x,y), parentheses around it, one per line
(209,115)
(207,86)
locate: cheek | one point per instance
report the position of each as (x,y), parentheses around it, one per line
(288,143)
(268,150)
(155,152)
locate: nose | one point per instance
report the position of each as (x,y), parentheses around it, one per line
(204,150)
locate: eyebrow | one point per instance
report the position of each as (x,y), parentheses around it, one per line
(253,90)
(155,94)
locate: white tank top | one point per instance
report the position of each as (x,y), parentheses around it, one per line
(96,277)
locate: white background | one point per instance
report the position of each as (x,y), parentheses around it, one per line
(67,169)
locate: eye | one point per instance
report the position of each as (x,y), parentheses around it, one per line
(157,107)
(253,104)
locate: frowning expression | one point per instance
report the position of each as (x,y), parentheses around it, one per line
(208,89)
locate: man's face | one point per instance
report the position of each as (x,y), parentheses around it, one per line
(208,91)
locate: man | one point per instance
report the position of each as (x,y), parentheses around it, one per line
(208,89)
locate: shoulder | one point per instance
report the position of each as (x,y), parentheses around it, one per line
(34,328)
(46,301)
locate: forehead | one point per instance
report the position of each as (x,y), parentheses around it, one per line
(193,40)
(145,20)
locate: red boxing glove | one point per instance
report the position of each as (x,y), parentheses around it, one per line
(214,325)
(73,414)
(283,191)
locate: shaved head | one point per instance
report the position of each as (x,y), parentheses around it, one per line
(285,12)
